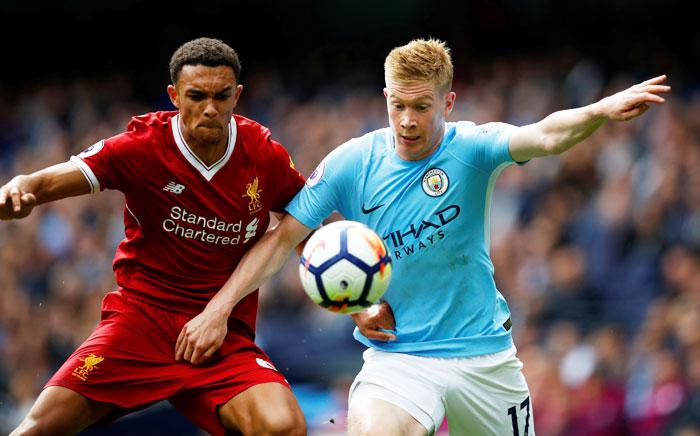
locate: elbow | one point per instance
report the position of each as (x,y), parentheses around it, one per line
(284,242)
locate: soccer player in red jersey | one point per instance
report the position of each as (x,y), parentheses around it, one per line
(199,185)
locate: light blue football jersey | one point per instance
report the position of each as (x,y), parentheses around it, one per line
(434,217)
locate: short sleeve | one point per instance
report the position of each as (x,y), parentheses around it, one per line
(286,177)
(485,146)
(325,187)
(105,163)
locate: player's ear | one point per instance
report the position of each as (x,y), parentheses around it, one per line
(237,95)
(172,93)
(450,98)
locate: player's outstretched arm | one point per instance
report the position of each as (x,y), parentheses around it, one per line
(19,196)
(563,129)
(203,335)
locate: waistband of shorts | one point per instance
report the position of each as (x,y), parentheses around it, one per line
(233,323)
(485,358)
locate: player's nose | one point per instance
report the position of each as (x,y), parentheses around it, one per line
(407,122)
(210,109)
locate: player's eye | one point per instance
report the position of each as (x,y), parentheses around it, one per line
(398,106)
(222,97)
(196,96)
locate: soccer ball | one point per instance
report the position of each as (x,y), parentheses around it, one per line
(345,267)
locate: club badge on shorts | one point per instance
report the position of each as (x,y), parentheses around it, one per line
(89,364)
(435,182)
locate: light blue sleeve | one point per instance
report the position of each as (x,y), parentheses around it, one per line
(484,146)
(326,187)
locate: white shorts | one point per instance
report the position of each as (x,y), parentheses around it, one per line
(483,395)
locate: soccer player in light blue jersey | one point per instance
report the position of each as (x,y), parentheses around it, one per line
(440,344)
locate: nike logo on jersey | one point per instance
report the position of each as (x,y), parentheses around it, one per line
(175,188)
(371,209)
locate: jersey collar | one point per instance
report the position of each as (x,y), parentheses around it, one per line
(207,171)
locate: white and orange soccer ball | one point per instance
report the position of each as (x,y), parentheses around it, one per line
(345,267)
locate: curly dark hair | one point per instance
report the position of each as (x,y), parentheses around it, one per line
(204,51)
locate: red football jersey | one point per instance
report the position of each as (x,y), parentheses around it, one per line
(187,224)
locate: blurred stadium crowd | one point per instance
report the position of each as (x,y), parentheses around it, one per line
(597,251)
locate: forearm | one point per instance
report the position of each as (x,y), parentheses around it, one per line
(57,182)
(563,129)
(19,196)
(29,183)
(556,133)
(53,183)
(261,262)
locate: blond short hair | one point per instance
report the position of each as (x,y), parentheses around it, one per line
(420,60)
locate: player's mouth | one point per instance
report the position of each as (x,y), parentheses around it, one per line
(210,126)
(408,140)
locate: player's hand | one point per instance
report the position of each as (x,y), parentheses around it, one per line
(15,203)
(201,337)
(634,101)
(374,319)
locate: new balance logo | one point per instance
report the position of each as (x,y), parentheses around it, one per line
(175,188)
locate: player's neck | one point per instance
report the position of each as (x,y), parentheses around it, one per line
(208,153)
